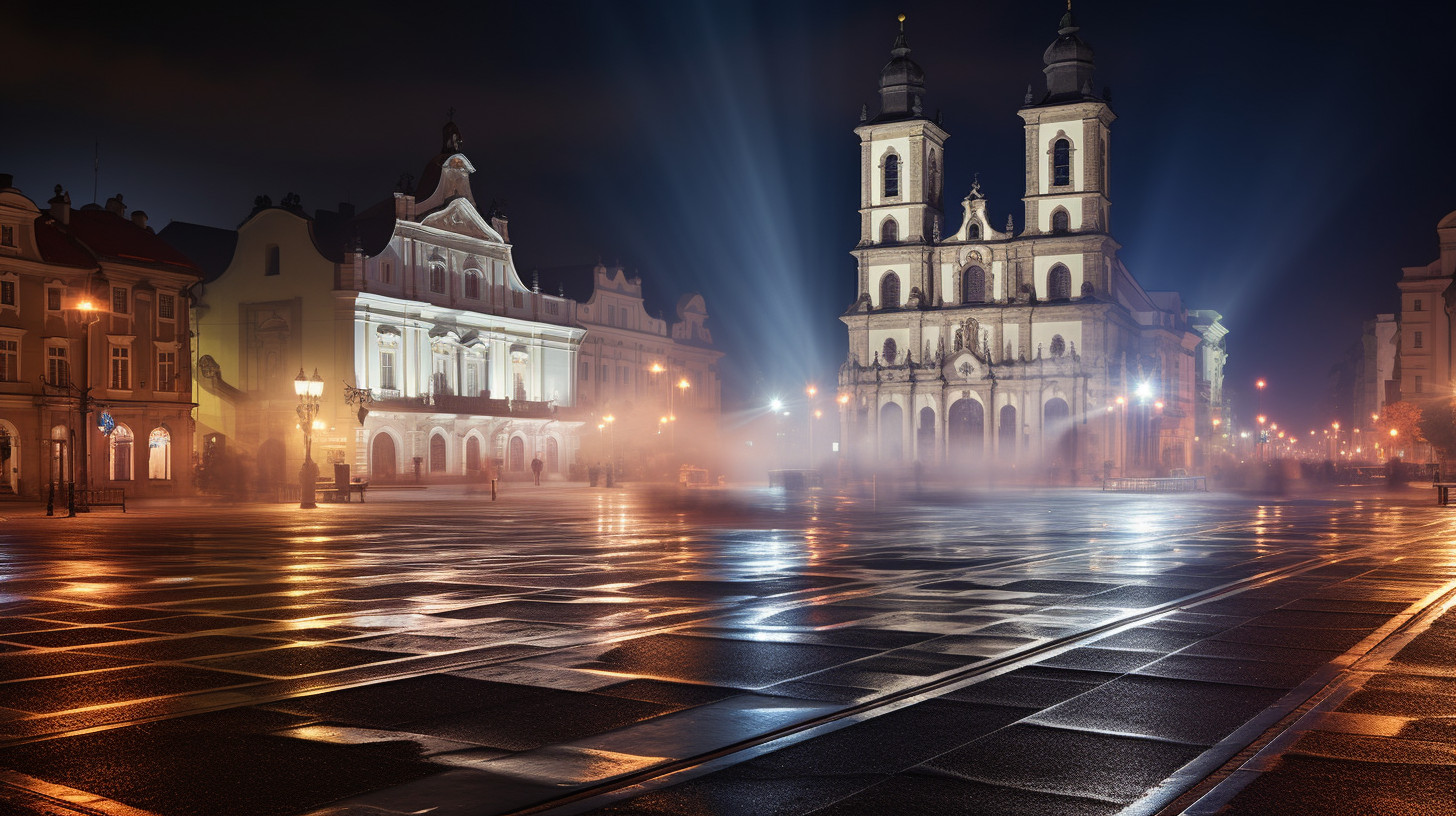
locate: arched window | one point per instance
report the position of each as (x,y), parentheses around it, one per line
(159,454)
(437,453)
(934,181)
(1059,283)
(383,463)
(437,278)
(1059,346)
(1061,222)
(472,455)
(890,291)
(973,285)
(892,175)
(121,439)
(553,455)
(517,454)
(889,352)
(889,231)
(975,232)
(472,285)
(1061,163)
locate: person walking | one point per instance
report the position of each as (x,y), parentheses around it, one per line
(536,466)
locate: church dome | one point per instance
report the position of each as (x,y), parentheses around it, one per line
(1068,47)
(902,82)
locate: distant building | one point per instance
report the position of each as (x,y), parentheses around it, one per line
(981,347)
(657,378)
(94,344)
(1425,345)
(416,303)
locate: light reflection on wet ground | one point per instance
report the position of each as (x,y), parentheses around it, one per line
(566,636)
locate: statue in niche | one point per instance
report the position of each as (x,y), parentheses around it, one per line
(940,349)
(986,341)
(959,338)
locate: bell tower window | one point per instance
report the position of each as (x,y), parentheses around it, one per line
(973,285)
(1061,222)
(1059,283)
(890,291)
(889,231)
(892,175)
(1061,163)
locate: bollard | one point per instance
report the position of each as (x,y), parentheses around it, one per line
(492,489)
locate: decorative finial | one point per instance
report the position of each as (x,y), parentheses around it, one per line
(902,16)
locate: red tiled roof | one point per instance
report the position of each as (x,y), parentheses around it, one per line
(111,236)
(58,247)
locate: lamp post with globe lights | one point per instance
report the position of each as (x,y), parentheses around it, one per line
(310,390)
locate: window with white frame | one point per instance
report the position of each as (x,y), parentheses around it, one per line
(9,359)
(120,368)
(58,364)
(166,371)
(386,370)
(159,454)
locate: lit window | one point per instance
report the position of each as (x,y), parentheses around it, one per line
(120,300)
(166,371)
(1061,163)
(58,365)
(159,454)
(121,439)
(892,175)
(120,368)
(9,360)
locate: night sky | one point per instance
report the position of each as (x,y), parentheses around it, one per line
(1275,162)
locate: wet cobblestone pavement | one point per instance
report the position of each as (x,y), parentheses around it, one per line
(630,651)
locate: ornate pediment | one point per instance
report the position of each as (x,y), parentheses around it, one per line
(964,365)
(461,218)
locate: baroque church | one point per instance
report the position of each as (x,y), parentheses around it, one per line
(975,346)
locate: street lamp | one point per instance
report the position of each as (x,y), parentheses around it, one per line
(309,391)
(811,391)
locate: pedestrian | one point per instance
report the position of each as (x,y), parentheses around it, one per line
(536,466)
(593,472)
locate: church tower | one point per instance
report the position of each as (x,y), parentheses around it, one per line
(1067,131)
(901,161)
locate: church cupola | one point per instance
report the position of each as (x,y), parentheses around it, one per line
(902,83)
(1068,63)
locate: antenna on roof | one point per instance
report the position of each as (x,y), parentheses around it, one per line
(96,172)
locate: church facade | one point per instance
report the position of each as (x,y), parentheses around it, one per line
(973,345)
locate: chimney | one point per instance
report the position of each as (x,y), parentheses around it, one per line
(115,205)
(139,217)
(61,206)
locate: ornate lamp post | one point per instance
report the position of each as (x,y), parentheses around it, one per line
(811,391)
(309,390)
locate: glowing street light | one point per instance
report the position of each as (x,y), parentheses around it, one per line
(310,391)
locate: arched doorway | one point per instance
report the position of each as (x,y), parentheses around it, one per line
(472,455)
(517,454)
(159,453)
(437,453)
(383,461)
(1056,429)
(60,471)
(892,421)
(967,428)
(925,437)
(1006,433)
(121,452)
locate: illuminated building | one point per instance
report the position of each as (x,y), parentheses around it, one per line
(416,302)
(974,344)
(1425,346)
(94,343)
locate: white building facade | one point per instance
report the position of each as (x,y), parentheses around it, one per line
(1034,351)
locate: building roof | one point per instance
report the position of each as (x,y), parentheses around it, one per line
(58,246)
(111,237)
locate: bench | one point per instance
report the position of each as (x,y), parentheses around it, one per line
(1443,492)
(335,492)
(101,497)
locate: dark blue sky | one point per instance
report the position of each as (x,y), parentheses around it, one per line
(1276,162)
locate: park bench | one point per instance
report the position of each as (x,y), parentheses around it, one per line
(337,491)
(1443,492)
(101,497)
